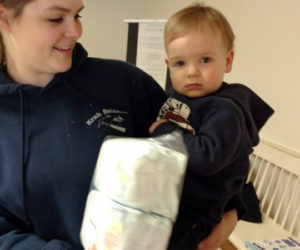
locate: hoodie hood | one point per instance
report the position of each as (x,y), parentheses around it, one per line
(256,110)
(8,87)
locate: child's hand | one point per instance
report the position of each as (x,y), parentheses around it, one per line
(155,124)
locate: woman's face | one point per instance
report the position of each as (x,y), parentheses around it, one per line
(40,41)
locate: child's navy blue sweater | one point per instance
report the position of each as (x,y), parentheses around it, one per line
(226,125)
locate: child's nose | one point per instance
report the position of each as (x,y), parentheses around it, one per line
(193,70)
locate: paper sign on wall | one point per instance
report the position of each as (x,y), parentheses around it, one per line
(150,50)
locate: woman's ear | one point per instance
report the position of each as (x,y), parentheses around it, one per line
(229,61)
(4,20)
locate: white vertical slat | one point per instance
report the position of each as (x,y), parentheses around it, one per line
(259,169)
(282,199)
(274,194)
(295,217)
(263,178)
(252,164)
(287,212)
(268,190)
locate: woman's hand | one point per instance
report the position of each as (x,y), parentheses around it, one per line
(220,232)
(155,124)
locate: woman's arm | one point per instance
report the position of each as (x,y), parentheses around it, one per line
(13,235)
(220,232)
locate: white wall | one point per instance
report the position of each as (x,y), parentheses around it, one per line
(267,49)
(104,32)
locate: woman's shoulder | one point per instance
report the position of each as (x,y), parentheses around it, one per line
(84,64)
(112,65)
(118,71)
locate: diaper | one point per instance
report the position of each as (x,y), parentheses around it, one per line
(135,193)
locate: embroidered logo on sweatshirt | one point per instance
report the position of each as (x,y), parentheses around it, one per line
(177,112)
(110,118)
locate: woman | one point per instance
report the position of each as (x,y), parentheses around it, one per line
(56,107)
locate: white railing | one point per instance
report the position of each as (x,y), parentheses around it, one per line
(275,174)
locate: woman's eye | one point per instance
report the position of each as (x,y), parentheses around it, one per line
(78,16)
(205,60)
(56,20)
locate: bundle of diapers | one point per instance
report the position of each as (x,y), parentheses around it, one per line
(135,193)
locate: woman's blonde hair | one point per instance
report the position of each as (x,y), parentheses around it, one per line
(17,7)
(196,17)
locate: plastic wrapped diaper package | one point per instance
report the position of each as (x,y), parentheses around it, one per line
(135,193)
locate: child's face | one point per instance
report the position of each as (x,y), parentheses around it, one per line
(197,63)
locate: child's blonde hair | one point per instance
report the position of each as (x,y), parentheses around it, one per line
(195,18)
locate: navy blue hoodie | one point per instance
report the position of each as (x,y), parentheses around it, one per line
(226,125)
(49,143)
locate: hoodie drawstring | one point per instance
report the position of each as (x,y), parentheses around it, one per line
(23,165)
(23,126)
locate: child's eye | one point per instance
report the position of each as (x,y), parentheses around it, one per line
(205,60)
(179,63)
(78,16)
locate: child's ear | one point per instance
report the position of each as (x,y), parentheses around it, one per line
(229,60)
(167,61)
(4,14)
